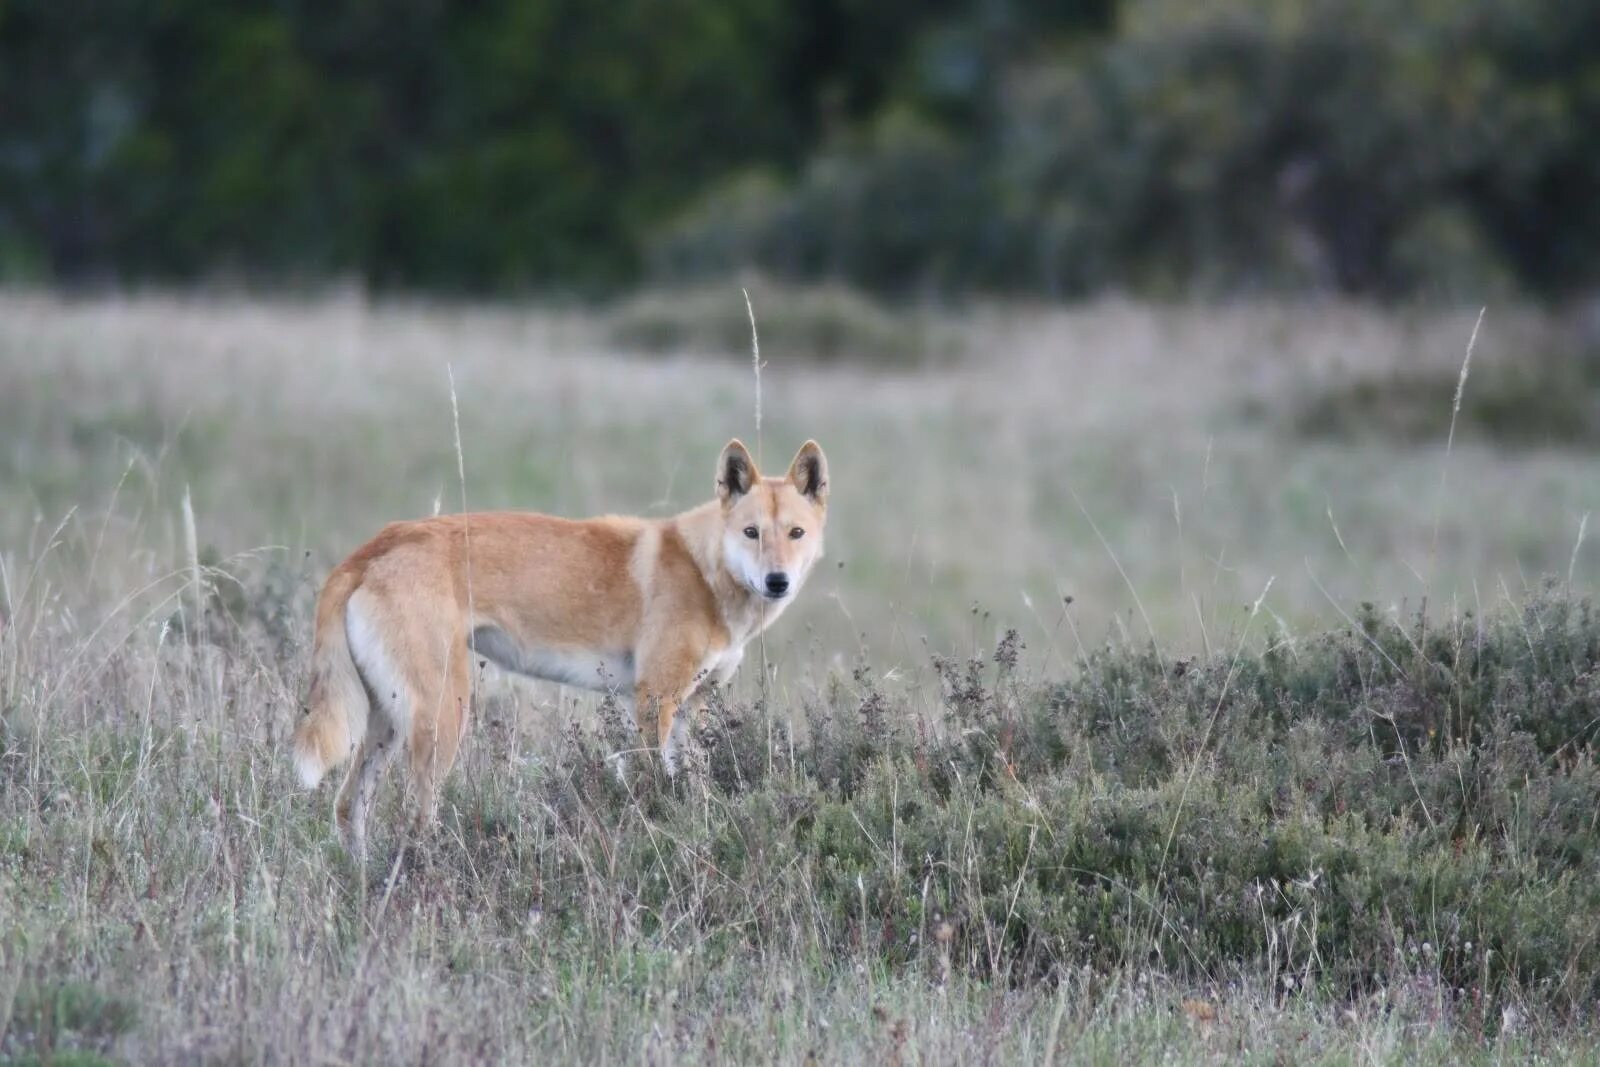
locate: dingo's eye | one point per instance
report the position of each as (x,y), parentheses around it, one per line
(751,532)
(796,533)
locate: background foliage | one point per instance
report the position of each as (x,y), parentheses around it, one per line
(1365,146)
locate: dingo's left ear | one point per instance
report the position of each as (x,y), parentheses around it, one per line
(809,473)
(736,472)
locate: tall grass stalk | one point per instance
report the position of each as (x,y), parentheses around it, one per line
(1450,439)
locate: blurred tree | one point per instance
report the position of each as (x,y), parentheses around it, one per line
(470,145)
(1378,146)
(1365,146)
(1307,142)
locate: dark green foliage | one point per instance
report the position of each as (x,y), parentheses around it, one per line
(65,1023)
(466,146)
(1312,140)
(1364,146)
(1367,146)
(902,207)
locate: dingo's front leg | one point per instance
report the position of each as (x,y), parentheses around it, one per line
(665,683)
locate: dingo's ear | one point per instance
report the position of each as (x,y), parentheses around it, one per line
(809,473)
(736,472)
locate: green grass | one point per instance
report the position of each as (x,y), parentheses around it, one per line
(953,826)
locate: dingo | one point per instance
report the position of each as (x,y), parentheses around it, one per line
(646,607)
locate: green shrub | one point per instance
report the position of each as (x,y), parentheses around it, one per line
(1385,803)
(65,1023)
(899,208)
(1551,396)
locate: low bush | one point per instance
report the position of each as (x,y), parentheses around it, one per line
(65,1023)
(1381,802)
(1550,397)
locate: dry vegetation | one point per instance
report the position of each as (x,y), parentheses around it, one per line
(1215,809)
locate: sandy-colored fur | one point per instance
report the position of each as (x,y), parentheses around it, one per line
(646,607)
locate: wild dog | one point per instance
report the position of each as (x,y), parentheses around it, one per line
(646,608)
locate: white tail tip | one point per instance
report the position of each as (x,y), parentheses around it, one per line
(309,768)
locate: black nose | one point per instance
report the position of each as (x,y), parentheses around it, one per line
(777,583)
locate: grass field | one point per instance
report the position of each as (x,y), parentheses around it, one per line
(1170,691)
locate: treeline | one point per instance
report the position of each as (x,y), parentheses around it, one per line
(908,147)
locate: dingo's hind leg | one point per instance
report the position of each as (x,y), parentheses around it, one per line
(355,795)
(444,695)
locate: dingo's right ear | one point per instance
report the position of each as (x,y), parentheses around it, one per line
(736,472)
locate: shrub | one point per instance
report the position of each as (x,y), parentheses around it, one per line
(899,208)
(66,1023)
(1389,802)
(1548,396)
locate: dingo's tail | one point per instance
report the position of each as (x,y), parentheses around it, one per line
(335,719)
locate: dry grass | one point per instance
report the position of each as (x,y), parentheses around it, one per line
(307,425)
(168,895)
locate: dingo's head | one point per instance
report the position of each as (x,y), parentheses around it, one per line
(772,527)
